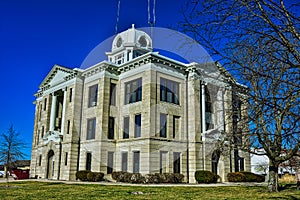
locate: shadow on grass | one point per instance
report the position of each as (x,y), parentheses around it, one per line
(288,187)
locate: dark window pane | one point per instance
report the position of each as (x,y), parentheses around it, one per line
(124,161)
(113,94)
(66,158)
(88,161)
(169,91)
(111,128)
(176,125)
(70,95)
(126,128)
(93,95)
(163,125)
(136,162)
(91,128)
(176,162)
(133,91)
(110,162)
(137,127)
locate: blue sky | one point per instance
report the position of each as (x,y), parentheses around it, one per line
(36,34)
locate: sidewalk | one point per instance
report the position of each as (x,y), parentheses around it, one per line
(145,185)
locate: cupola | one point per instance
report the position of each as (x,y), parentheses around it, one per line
(128,45)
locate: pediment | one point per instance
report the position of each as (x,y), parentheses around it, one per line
(56,75)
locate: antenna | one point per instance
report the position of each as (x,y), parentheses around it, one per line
(118,15)
(151,22)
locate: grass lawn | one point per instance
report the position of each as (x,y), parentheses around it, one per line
(52,190)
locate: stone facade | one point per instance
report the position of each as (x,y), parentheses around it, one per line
(139,111)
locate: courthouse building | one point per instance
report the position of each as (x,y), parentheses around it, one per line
(137,111)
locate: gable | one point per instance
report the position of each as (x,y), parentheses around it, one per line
(56,76)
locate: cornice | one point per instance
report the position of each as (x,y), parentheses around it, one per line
(151,58)
(100,67)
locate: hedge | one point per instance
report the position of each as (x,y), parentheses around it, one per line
(203,176)
(95,176)
(86,175)
(245,177)
(82,175)
(148,178)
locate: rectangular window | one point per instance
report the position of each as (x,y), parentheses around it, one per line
(111,128)
(126,128)
(209,124)
(91,128)
(93,95)
(110,162)
(163,162)
(40,112)
(133,91)
(40,160)
(169,91)
(38,136)
(137,126)
(176,162)
(163,125)
(70,94)
(112,94)
(176,126)
(68,126)
(136,162)
(88,165)
(66,158)
(43,130)
(124,161)
(45,104)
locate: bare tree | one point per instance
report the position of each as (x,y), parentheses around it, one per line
(258,41)
(262,167)
(11,149)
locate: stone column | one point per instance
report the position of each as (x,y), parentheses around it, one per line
(53,112)
(203,111)
(203,124)
(63,111)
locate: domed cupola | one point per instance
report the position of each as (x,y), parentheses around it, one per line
(129,45)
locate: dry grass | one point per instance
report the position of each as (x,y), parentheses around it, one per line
(53,190)
(287,178)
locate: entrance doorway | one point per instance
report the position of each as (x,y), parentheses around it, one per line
(215,161)
(50,164)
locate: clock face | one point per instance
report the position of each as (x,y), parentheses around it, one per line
(143,41)
(119,42)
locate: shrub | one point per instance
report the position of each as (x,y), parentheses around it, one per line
(148,178)
(135,178)
(99,176)
(95,176)
(203,176)
(236,177)
(178,178)
(82,175)
(121,176)
(251,177)
(115,175)
(245,177)
(151,178)
(90,176)
(161,177)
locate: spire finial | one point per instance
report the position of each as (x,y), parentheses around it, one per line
(132,26)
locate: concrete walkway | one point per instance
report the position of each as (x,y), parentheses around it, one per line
(141,185)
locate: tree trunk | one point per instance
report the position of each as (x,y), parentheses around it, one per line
(273,178)
(6,174)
